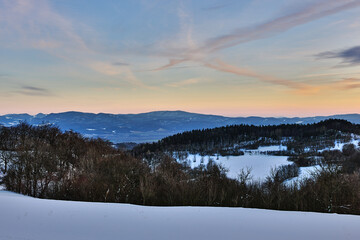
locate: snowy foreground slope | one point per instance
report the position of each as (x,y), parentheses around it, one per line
(29,218)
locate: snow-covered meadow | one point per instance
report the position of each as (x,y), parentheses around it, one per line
(37,219)
(260,163)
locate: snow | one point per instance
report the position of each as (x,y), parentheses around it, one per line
(269,148)
(259,164)
(305,173)
(30,218)
(339,145)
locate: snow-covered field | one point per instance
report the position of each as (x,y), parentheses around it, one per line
(259,164)
(36,219)
(305,172)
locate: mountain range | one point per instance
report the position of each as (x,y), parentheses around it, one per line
(152,126)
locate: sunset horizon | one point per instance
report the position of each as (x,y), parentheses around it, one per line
(224,114)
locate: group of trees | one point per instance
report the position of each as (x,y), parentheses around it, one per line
(42,161)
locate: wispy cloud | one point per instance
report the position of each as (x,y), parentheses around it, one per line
(275,26)
(33,91)
(122,72)
(267,29)
(188,82)
(172,62)
(348,83)
(225,67)
(120,64)
(205,51)
(349,57)
(35,24)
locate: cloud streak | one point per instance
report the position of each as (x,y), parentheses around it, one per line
(202,52)
(224,67)
(34,24)
(348,83)
(120,64)
(350,56)
(187,82)
(33,91)
(278,25)
(268,29)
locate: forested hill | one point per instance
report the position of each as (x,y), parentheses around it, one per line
(220,137)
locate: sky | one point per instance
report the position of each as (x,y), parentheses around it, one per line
(226,57)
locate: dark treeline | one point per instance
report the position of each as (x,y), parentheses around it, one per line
(42,161)
(211,141)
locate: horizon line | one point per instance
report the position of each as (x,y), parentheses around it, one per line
(155,111)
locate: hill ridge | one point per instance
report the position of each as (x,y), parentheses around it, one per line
(151,126)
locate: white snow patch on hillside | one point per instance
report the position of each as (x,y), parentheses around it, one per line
(305,173)
(269,148)
(339,145)
(30,218)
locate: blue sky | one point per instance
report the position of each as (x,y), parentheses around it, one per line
(235,58)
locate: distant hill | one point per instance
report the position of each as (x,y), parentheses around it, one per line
(232,140)
(152,126)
